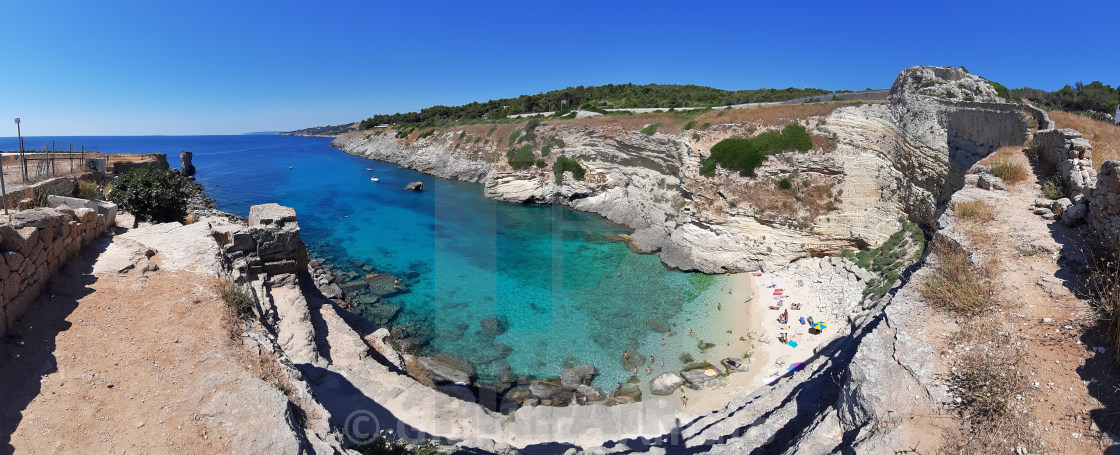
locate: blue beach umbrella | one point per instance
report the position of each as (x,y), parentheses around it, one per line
(820,326)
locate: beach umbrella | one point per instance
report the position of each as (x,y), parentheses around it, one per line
(820,326)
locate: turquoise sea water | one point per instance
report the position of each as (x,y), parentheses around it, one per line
(568,295)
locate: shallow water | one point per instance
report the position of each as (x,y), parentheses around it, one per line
(567,294)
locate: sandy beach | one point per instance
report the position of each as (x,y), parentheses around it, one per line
(755,330)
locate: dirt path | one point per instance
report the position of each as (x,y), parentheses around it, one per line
(1040,265)
(138,361)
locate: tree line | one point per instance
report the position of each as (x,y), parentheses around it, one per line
(1094,96)
(602,96)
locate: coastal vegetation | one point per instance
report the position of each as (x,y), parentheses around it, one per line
(595,98)
(744,155)
(888,260)
(152,194)
(1093,100)
(564,164)
(239,304)
(521,157)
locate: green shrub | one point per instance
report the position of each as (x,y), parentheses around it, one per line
(1000,89)
(696,136)
(426,134)
(705,125)
(550,143)
(513,137)
(949,94)
(1053,188)
(784,184)
(689,125)
(462,135)
(492,128)
(87,190)
(541,164)
(521,157)
(651,129)
(158,195)
(563,164)
(528,137)
(531,125)
(238,302)
(745,155)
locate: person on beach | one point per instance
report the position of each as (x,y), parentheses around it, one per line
(635,370)
(719,306)
(662,362)
(651,359)
(618,386)
(626,355)
(670,332)
(684,401)
(648,369)
(663,342)
(618,274)
(691,333)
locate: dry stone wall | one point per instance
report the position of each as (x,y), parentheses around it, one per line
(34,243)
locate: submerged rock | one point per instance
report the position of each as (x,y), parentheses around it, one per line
(382,284)
(573,377)
(493,326)
(665,383)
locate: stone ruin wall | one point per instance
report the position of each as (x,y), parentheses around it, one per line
(975,131)
(34,243)
(1091,197)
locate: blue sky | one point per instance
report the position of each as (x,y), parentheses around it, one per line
(203,67)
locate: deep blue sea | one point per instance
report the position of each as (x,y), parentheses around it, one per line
(547,271)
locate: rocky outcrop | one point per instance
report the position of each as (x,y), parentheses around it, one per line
(415,186)
(186,166)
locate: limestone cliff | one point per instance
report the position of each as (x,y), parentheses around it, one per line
(875,161)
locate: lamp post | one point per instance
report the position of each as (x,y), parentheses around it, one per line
(3,188)
(22,159)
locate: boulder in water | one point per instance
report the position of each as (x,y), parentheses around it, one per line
(571,378)
(415,186)
(494,353)
(665,383)
(545,388)
(625,395)
(590,393)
